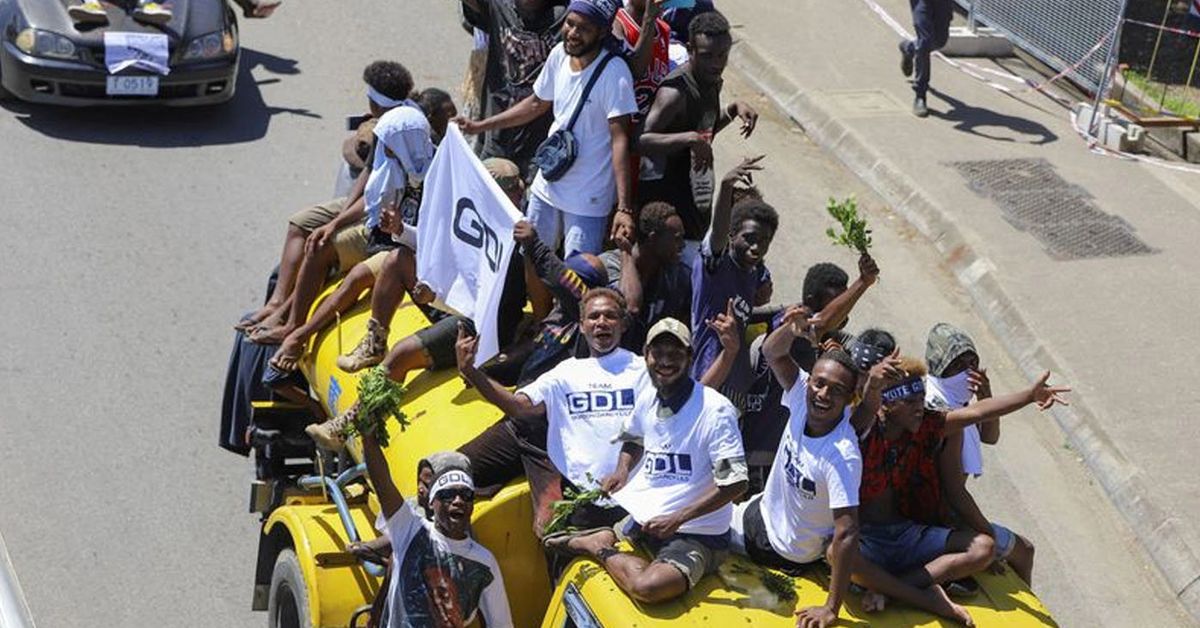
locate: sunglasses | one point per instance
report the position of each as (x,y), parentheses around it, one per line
(448,494)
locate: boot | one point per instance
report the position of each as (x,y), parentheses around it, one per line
(370,350)
(331,434)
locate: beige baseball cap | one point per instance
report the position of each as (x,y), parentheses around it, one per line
(673,327)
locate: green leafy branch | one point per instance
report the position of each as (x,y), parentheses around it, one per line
(378,398)
(854,232)
(573,500)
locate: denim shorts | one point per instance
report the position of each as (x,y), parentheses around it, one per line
(898,547)
(1005,540)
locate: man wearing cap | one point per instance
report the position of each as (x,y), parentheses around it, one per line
(441,577)
(579,404)
(680,467)
(955,379)
(576,206)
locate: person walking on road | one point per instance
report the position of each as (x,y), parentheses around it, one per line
(931,19)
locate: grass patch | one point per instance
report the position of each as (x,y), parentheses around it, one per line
(1178,100)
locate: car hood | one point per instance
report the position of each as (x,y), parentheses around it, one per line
(191,18)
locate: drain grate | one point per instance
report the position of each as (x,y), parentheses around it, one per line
(1063,217)
(1069,241)
(1002,175)
(1028,209)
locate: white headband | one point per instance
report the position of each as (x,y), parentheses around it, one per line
(381,100)
(451,479)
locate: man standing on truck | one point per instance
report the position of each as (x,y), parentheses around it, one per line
(680,468)
(441,577)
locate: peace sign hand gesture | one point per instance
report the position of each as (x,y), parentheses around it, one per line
(1046,396)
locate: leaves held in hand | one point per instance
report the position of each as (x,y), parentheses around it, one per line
(378,398)
(564,508)
(854,233)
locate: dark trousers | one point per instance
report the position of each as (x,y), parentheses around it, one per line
(931,19)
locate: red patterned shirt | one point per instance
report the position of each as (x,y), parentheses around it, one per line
(908,466)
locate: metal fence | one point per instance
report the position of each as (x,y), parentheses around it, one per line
(1061,33)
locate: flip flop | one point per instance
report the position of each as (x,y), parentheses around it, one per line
(292,361)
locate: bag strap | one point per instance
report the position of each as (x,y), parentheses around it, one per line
(587,89)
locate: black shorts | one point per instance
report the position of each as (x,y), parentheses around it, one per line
(438,341)
(758,544)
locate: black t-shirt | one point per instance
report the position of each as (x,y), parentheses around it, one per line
(670,295)
(671,178)
(516,53)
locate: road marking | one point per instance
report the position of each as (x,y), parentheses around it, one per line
(14,612)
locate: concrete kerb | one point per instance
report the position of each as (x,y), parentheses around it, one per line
(1123,482)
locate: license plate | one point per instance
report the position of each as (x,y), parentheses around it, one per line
(132,86)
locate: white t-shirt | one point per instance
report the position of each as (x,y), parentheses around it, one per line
(954,393)
(588,188)
(435,575)
(681,452)
(809,479)
(587,401)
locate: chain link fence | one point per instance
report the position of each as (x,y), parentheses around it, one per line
(1060,33)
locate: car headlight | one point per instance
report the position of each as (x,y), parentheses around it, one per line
(41,43)
(212,45)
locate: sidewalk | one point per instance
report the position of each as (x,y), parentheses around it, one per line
(1119,328)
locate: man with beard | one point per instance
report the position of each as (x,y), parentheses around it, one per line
(680,468)
(441,577)
(520,36)
(581,404)
(676,140)
(575,207)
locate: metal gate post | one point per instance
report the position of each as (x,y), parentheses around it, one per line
(1114,47)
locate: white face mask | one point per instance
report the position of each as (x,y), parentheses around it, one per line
(955,391)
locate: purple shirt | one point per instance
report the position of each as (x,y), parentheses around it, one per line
(715,280)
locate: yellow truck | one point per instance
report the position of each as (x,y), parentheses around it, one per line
(313,505)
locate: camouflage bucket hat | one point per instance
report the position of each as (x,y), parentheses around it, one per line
(946,342)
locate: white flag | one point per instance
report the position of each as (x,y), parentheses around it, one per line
(143,51)
(465,239)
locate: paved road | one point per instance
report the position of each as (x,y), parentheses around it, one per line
(132,241)
(135,238)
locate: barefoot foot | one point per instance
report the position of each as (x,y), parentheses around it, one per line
(941,604)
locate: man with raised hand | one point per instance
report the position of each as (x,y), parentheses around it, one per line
(581,404)
(431,559)
(681,466)
(686,115)
(575,207)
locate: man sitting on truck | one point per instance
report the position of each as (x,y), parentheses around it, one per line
(911,482)
(580,404)
(442,577)
(684,442)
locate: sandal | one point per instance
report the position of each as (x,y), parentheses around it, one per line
(286,362)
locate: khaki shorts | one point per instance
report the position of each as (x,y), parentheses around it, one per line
(349,242)
(375,263)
